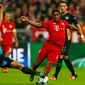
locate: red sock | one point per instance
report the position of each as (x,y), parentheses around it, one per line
(48,69)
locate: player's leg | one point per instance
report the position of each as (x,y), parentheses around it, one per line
(57,70)
(1,18)
(41,56)
(67,61)
(24,69)
(58,65)
(52,59)
(34,67)
(70,67)
(7,62)
(7,49)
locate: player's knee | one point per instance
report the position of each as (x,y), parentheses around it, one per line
(19,65)
(59,63)
(65,57)
(16,64)
(61,57)
(7,54)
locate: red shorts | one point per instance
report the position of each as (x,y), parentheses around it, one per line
(49,51)
(7,48)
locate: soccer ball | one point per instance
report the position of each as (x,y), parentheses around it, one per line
(43,80)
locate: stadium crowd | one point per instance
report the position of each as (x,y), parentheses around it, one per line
(34,9)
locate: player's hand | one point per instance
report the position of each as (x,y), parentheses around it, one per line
(78,32)
(1,39)
(23,18)
(16,44)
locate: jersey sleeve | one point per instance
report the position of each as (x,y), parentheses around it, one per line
(74,20)
(13,28)
(45,24)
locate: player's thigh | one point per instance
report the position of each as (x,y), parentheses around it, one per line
(65,54)
(8,50)
(66,47)
(53,57)
(42,54)
(65,57)
(54,54)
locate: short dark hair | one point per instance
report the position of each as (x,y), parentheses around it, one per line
(56,10)
(63,1)
(7,12)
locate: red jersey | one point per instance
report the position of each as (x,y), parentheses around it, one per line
(6,32)
(56,31)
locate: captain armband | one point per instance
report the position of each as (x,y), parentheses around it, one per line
(14,30)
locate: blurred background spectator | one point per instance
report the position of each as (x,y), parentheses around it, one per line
(39,10)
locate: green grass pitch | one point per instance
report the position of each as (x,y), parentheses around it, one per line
(15,77)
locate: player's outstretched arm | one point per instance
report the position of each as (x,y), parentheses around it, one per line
(79,30)
(38,25)
(81,33)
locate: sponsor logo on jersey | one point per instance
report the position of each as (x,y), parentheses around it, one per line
(62,23)
(66,17)
(10,26)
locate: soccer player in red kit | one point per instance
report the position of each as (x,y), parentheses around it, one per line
(52,47)
(8,31)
